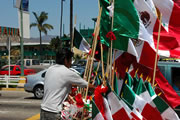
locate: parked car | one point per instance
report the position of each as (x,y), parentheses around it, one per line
(32,64)
(48,62)
(15,70)
(35,83)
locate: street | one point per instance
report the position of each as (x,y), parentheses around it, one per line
(18,105)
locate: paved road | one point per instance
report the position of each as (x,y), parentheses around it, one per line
(18,105)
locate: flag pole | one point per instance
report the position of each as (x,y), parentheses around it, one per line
(155,64)
(113,70)
(93,50)
(111,46)
(102,61)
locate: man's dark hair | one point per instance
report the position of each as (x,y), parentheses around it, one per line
(62,55)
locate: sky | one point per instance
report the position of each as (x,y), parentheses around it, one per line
(85,10)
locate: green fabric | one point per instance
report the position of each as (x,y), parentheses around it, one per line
(149,88)
(128,94)
(139,87)
(77,38)
(121,42)
(95,110)
(135,79)
(129,79)
(105,22)
(126,19)
(161,105)
(115,84)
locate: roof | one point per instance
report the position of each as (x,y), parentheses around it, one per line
(15,40)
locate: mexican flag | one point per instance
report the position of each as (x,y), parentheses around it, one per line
(141,91)
(166,111)
(170,15)
(146,110)
(119,109)
(102,102)
(121,43)
(129,80)
(80,42)
(96,114)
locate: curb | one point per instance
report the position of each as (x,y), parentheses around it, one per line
(12,89)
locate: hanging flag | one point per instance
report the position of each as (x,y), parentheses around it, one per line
(170,94)
(96,114)
(166,111)
(105,22)
(80,42)
(170,15)
(119,42)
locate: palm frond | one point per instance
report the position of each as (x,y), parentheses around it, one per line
(33,25)
(48,26)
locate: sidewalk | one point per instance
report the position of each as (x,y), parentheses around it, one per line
(11,89)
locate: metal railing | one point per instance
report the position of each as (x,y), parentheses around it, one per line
(11,80)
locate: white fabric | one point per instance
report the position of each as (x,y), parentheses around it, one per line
(169,114)
(99,117)
(166,8)
(84,46)
(57,85)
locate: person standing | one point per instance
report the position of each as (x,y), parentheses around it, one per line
(57,85)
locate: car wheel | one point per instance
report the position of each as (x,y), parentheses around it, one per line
(39,92)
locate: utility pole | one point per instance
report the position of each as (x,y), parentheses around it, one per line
(61,19)
(71,22)
(21,39)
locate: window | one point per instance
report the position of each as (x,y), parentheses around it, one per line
(162,69)
(28,63)
(43,74)
(35,62)
(18,69)
(7,68)
(175,78)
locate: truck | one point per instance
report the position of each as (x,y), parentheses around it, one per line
(15,70)
(32,64)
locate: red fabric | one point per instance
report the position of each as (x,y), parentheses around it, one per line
(111,35)
(135,117)
(79,101)
(172,97)
(121,115)
(98,98)
(123,62)
(147,57)
(151,113)
(170,40)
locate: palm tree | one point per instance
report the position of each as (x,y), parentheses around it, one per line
(41,25)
